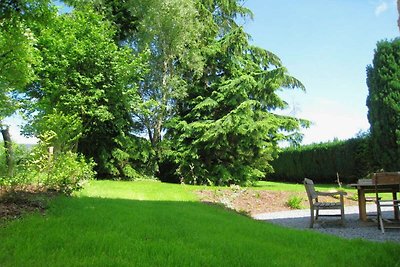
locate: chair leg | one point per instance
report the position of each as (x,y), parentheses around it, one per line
(312,217)
(342,215)
(380,220)
(317,214)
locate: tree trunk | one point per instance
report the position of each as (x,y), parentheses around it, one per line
(8,150)
(158,127)
(398,9)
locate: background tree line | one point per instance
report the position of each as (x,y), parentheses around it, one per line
(143,88)
(166,88)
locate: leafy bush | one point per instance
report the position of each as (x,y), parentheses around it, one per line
(20,155)
(62,171)
(69,172)
(294,202)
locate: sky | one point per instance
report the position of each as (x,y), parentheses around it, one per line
(326,44)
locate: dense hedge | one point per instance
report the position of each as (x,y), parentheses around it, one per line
(320,162)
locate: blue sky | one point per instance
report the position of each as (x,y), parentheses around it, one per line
(327,45)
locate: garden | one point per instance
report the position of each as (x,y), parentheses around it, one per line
(160,134)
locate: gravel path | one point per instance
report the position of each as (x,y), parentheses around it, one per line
(354,227)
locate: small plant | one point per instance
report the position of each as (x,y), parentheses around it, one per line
(294,202)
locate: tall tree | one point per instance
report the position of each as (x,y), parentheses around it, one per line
(169,31)
(85,76)
(227,132)
(383,80)
(18,55)
(208,91)
(398,10)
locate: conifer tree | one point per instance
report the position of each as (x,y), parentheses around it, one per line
(383,79)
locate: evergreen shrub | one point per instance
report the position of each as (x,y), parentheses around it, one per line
(350,159)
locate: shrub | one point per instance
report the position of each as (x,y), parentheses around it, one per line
(352,159)
(21,155)
(69,172)
(294,202)
(63,171)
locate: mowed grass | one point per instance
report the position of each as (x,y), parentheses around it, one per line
(279,186)
(156,224)
(140,190)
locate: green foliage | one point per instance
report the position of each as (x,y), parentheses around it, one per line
(63,131)
(183,72)
(67,173)
(170,33)
(17,56)
(21,155)
(18,53)
(383,79)
(352,159)
(120,13)
(133,158)
(294,202)
(206,88)
(86,87)
(227,132)
(64,171)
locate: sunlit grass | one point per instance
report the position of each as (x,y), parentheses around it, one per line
(140,190)
(154,224)
(292,187)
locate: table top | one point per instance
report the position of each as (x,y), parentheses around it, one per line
(386,179)
(362,182)
(367,183)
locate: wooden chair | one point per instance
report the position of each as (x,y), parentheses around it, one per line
(316,205)
(388,179)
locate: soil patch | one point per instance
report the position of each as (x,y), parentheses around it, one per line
(253,202)
(16,202)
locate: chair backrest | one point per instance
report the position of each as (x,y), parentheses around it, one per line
(382,178)
(309,185)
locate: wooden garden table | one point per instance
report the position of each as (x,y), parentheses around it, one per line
(364,186)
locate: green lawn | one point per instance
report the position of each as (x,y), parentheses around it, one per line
(266,185)
(154,224)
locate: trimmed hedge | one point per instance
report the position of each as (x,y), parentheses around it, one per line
(351,159)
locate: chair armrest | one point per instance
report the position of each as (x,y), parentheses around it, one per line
(331,193)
